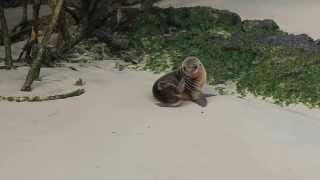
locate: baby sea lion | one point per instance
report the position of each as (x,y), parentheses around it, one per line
(185,83)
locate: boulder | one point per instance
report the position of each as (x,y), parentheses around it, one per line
(254,25)
(301,41)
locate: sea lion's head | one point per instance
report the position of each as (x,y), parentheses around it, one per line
(191,66)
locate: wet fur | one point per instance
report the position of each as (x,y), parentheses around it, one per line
(167,89)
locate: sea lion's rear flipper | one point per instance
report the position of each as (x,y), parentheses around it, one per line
(209,94)
(178,104)
(201,101)
(199,98)
(163,84)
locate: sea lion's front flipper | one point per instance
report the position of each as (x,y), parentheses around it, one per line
(181,85)
(201,101)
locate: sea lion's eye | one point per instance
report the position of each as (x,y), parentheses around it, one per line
(195,67)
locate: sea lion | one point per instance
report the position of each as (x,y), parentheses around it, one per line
(185,83)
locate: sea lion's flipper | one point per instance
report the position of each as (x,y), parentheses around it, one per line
(209,94)
(178,104)
(181,85)
(164,84)
(201,101)
(199,98)
(161,85)
(196,94)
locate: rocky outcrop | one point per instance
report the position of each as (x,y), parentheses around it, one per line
(268,32)
(302,41)
(258,25)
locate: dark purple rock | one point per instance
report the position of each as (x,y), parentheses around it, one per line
(301,41)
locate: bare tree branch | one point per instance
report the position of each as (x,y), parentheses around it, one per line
(36,64)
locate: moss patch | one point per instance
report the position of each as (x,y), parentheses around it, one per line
(230,50)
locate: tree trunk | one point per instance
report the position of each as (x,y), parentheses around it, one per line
(24,11)
(36,64)
(147,4)
(93,14)
(64,35)
(6,37)
(84,22)
(35,20)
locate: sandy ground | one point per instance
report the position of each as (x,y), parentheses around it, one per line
(115,131)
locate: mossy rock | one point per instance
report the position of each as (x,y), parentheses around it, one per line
(261,58)
(201,19)
(258,25)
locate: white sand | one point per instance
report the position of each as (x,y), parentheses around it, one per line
(115,131)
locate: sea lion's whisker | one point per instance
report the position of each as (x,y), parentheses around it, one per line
(188,86)
(193,84)
(191,87)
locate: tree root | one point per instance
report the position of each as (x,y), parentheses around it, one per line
(75,93)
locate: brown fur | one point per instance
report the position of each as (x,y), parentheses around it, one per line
(185,83)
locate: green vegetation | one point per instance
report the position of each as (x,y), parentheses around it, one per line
(230,51)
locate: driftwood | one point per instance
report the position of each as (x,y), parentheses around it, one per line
(75,93)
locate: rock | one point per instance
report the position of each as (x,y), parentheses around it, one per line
(132,56)
(189,17)
(120,66)
(88,50)
(254,25)
(302,41)
(80,82)
(115,41)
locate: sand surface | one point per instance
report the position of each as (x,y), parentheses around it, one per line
(114,131)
